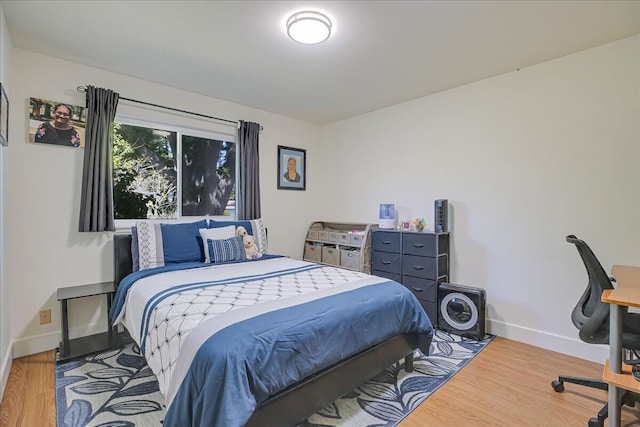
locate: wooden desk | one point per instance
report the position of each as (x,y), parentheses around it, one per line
(626,294)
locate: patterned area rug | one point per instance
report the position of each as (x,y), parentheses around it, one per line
(117,389)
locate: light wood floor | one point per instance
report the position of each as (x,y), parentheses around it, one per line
(507,384)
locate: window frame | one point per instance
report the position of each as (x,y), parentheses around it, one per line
(125,224)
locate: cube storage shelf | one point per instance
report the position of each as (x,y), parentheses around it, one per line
(341,244)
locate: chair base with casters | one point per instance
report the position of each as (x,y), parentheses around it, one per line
(627,398)
(558,385)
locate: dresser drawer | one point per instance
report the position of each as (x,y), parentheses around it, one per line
(423,289)
(386,241)
(419,244)
(417,266)
(386,261)
(387,275)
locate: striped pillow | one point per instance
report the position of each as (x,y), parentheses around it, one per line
(226,249)
(254,227)
(216,234)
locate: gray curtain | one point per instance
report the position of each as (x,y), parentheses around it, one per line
(96,200)
(249,203)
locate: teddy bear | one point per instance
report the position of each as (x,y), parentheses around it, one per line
(250,247)
(241,231)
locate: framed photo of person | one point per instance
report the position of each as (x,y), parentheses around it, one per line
(292,168)
(56,123)
(4,116)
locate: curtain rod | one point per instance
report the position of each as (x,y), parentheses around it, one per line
(84,89)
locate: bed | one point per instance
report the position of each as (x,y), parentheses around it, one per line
(284,374)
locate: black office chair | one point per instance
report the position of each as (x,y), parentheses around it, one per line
(591,317)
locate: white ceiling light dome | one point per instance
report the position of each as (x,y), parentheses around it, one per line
(309,27)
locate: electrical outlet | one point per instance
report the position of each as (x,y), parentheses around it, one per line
(45,316)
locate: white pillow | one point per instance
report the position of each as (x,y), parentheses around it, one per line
(215,234)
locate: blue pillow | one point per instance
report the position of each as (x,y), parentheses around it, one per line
(224,250)
(254,227)
(161,244)
(182,242)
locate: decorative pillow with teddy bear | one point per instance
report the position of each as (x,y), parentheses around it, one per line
(254,227)
(220,245)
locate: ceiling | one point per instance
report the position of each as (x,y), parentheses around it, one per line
(380,54)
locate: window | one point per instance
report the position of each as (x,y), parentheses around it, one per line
(169,173)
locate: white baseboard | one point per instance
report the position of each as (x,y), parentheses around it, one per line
(566,345)
(49,341)
(5,368)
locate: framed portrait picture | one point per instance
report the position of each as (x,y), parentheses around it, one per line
(56,123)
(292,168)
(4,116)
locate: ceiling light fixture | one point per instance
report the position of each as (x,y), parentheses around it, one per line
(309,27)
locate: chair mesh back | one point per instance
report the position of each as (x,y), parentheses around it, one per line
(598,282)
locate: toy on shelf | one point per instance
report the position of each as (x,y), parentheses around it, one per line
(419,224)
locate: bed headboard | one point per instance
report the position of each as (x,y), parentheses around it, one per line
(122,259)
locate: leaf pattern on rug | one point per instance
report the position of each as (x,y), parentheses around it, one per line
(382,410)
(330,411)
(78,413)
(134,407)
(103,385)
(116,388)
(67,381)
(117,424)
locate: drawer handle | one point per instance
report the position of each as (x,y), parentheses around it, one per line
(418,267)
(418,245)
(386,242)
(418,289)
(386,262)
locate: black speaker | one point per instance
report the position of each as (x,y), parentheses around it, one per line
(441,215)
(461,310)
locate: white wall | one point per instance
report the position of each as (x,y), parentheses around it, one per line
(44,195)
(525,159)
(5,336)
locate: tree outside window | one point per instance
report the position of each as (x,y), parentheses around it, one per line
(146,172)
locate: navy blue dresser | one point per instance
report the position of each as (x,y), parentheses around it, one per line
(417,260)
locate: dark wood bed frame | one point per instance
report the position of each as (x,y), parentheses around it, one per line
(301,400)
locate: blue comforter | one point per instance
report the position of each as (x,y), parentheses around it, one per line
(230,364)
